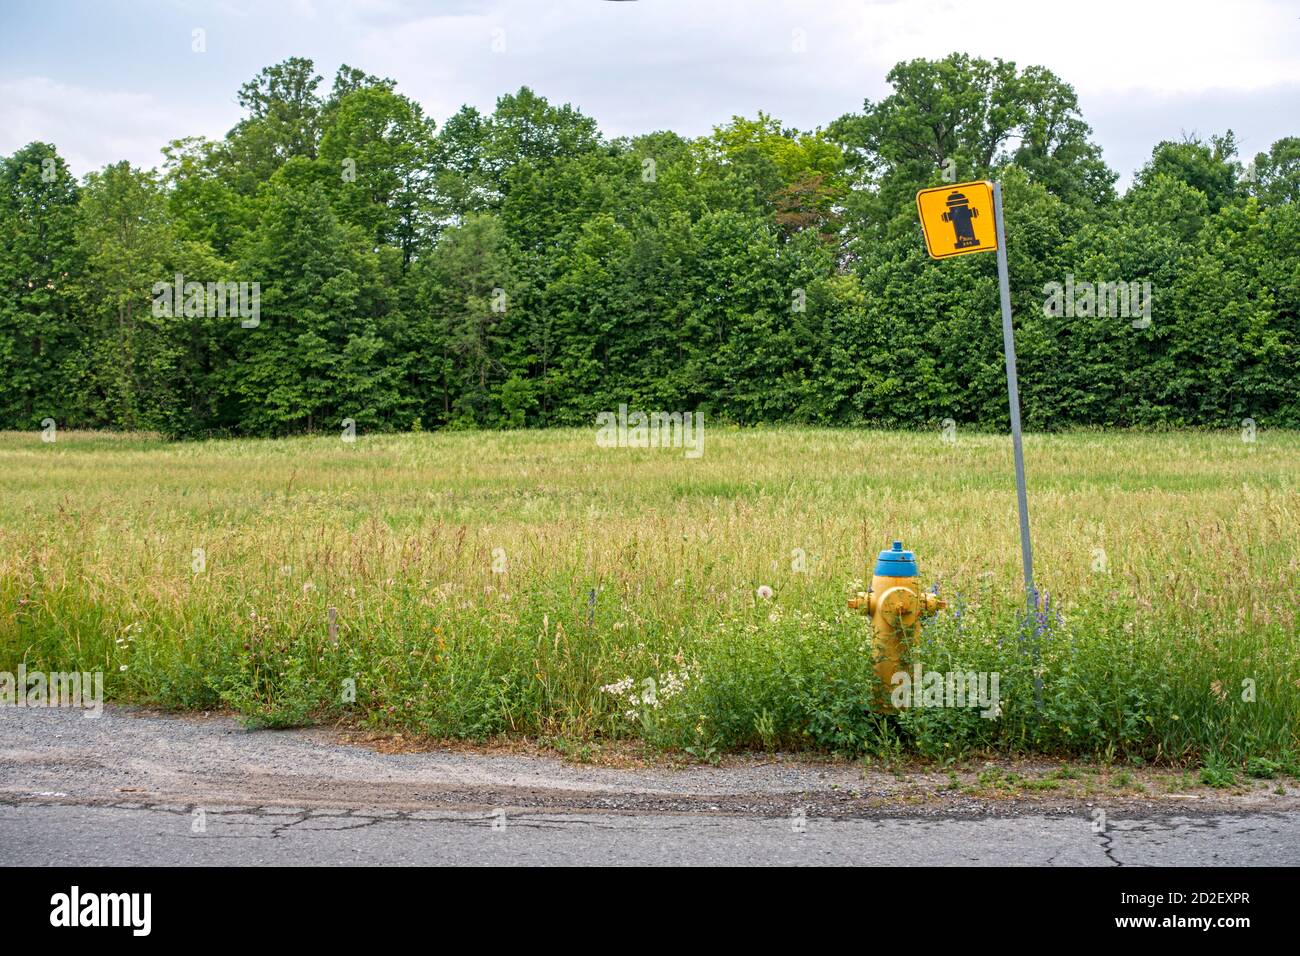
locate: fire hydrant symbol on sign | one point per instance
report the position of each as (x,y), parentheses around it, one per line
(958,220)
(960,214)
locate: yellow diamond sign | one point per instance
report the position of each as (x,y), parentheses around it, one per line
(958,219)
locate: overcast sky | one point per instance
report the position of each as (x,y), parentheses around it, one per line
(113,79)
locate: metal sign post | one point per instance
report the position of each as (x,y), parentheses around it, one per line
(1013,396)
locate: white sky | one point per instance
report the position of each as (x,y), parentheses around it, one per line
(116,80)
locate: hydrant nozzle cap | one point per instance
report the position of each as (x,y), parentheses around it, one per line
(896,563)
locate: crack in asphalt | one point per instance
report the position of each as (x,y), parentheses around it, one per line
(362,820)
(1107,844)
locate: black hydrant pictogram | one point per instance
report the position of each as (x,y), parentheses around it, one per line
(960,215)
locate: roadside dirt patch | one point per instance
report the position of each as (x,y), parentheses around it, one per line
(141,757)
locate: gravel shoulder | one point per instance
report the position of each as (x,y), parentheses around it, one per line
(132,758)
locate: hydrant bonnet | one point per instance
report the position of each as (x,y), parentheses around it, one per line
(896,563)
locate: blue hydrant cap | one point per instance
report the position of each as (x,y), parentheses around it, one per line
(896,563)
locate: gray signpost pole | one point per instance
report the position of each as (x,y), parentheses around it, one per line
(1013,394)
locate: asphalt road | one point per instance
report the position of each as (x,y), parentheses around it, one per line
(141,789)
(35,834)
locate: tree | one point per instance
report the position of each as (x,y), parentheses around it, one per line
(377,154)
(314,357)
(202,195)
(1275,177)
(482,155)
(469,289)
(759,165)
(1055,148)
(39,263)
(129,246)
(957,118)
(1205,166)
(283,121)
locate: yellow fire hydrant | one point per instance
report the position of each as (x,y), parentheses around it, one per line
(896,605)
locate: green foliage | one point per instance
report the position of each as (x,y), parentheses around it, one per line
(135,377)
(1209,168)
(1262,768)
(40,261)
(517,269)
(381,149)
(1218,773)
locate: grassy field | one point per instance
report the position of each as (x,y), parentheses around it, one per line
(530,582)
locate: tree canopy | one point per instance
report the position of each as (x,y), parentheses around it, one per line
(519,268)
